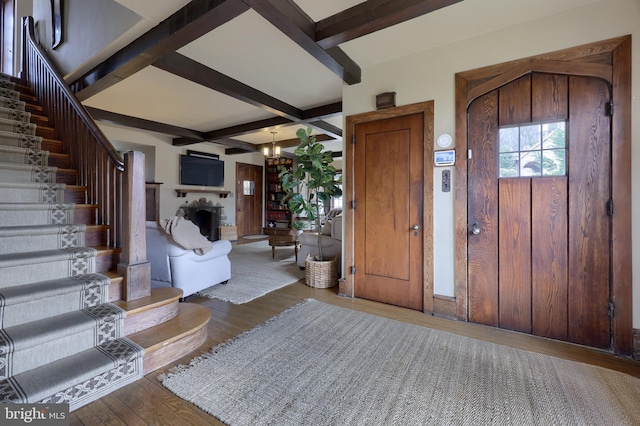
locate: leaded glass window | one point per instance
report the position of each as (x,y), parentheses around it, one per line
(533,150)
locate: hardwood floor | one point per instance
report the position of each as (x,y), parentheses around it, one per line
(147,402)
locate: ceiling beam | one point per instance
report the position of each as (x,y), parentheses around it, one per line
(288,143)
(189,69)
(370,16)
(310,115)
(286,16)
(186,25)
(141,123)
(327,128)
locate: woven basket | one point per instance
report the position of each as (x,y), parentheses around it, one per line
(321,274)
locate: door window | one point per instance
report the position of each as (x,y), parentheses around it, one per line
(533,150)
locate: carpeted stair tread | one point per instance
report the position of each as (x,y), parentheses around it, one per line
(19,140)
(10,154)
(44,299)
(15,172)
(27,346)
(32,192)
(9,93)
(16,126)
(16,214)
(14,114)
(25,268)
(44,256)
(41,237)
(25,230)
(6,83)
(78,379)
(12,103)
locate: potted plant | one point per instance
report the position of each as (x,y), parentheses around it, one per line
(308,189)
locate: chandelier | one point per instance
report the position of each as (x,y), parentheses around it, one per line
(275,150)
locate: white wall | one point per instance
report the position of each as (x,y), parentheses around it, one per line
(166,165)
(78,44)
(429,75)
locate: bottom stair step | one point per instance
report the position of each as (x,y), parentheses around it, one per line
(79,379)
(175,338)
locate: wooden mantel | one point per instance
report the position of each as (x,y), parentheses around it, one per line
(182,192)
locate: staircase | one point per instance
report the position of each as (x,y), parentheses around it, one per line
(66,336)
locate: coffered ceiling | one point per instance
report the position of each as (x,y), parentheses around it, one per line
(232,71)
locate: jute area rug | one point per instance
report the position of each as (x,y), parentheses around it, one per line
(319,364)
(254,273)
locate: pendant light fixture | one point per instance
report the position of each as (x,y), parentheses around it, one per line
(275,150)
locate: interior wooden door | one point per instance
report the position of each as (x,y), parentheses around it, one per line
(6,32)
(388,230)
(248,199)
(539,228)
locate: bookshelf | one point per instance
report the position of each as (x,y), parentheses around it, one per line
(277,216)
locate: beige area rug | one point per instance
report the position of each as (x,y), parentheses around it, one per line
(254,273)
(319,364)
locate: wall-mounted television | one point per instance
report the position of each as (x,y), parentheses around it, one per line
(201,170)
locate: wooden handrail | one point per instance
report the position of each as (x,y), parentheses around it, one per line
(100,167)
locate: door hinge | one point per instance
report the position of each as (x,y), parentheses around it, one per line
(610,207)
(469,154)
(353,269)
(353,139)
(609,108)
(353,204)
(611,310)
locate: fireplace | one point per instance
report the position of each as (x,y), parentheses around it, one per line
(205,216)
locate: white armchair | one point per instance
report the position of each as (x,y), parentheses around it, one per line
(175,266)
(330,240)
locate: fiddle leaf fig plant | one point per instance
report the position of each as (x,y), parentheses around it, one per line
(311,184)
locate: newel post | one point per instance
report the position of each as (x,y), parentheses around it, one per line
(133,265)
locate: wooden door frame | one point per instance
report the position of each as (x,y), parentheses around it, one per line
(427,110)
(587,60)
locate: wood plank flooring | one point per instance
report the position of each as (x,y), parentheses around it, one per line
(147,402)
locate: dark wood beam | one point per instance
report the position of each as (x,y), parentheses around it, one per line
(327,128)
(295,24)
(288,143)
(324,111)
(189,69)
(239,130)
(186,25)
(141,123)
(370,16)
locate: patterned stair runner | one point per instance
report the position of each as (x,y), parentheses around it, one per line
(60,339)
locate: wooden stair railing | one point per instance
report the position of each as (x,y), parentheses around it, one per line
(114,186)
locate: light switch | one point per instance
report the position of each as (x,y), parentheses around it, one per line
(446,180)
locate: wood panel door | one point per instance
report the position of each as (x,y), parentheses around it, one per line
(388,231)
(248,199)
(539,228)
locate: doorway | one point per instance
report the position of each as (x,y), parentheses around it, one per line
(6,32)
(543,251)
(248,199)
(388,202)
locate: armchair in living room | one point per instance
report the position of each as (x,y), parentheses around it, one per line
(175,266)
(330,240)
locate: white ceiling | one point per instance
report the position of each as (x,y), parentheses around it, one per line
(253,51)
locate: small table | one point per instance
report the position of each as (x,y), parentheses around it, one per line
(282,241)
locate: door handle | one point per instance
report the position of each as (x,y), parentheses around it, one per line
(416,228)
(475,229)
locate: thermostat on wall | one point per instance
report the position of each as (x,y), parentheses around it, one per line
(445,158)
